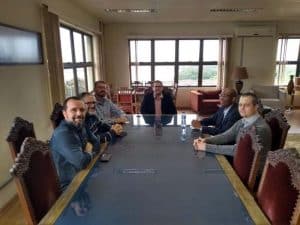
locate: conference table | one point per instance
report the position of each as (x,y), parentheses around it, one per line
(156,178)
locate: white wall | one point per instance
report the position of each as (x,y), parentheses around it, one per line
(258,55)
(24,89)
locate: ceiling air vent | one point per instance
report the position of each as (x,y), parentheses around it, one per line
(235,10)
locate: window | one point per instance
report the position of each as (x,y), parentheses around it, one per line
(77,55)
(287,60)
(188,62)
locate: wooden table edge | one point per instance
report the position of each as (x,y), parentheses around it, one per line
(247,199)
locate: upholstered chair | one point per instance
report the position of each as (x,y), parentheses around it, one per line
(19,131)
(205,101)
(36,179)
(279,127)
(279,190)
(246,158)
(57,115)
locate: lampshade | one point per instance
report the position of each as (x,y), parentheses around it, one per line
(239,73)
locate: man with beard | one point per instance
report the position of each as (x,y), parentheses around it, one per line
(105,108)
(69,141)
(101,130)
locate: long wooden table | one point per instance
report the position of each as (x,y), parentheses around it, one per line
(156,180)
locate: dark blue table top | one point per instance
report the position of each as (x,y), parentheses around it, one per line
(156,180)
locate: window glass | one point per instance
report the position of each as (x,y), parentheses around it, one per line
(279,50)
(76,43)
(292,49)
(164,51)
(88,48)
(210,50)
(188,75)
(140,51)
(140,73)
(189,50)
(78,47)
(166,66)
(209,75)
(287,60)
(65,39)
(69,83)
(165,74)
(81,80)
(90,78)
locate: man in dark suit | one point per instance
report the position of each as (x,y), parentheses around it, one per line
(224,118)
(158,101)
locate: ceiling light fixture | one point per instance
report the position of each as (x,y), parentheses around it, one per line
(130,10)
(238,10)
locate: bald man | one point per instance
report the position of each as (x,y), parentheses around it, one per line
(224,118)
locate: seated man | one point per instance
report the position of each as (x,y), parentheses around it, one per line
(158,102)
(224,118)
(219,144)
(101,130)
(69,141)
(105,108)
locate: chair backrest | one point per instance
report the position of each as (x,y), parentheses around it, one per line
(19,131)
(57,115)
(247,156)
(279,190)
(279,127)
(36,179)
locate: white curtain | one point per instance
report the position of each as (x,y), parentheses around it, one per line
(281,57)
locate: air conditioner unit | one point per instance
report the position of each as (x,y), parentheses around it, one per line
(255,31)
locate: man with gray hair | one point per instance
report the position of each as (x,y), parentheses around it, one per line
(224,118)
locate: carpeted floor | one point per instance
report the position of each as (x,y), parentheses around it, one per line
(293,141)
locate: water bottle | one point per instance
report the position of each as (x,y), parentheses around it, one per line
(183,127)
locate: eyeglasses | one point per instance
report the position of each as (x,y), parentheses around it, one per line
(224,96)
(90,103)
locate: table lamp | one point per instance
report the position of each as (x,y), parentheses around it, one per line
(239,73)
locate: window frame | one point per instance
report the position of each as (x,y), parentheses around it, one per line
(200,63)
(78,65)
(297,62)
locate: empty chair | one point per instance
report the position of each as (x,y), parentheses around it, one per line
(279,128)
(36,179)
(246,161)
(279,190)
(57,115)
(125,99)
(19,131)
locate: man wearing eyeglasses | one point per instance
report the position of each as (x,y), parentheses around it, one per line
(106,110)
(224,118)
(100,129)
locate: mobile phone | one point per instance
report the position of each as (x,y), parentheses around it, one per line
(105,157)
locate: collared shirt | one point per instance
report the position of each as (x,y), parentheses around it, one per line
(226,110)
(250,120)
(67,145)
(157,102)
(106,110)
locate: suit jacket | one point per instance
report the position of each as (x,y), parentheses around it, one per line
(219,124)
(167,104)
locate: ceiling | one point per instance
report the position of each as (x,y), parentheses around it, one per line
(194,10)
